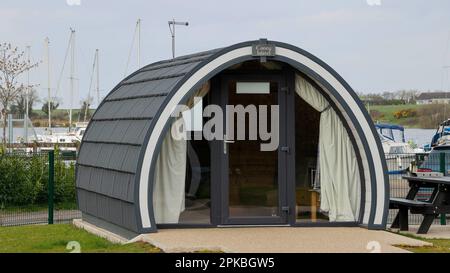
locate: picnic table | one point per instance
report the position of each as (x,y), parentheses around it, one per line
(439,202)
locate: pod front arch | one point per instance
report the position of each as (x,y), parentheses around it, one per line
(375,186)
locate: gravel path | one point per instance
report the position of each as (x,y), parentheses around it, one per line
(280,239)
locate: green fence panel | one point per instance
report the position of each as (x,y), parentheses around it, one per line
(443,169)
(51,186)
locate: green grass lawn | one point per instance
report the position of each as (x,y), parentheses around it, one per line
(54,239)
(439,245)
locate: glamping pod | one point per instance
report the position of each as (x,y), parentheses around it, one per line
(258,133)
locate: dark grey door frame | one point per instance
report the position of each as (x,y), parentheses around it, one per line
(290,142)
(219,166)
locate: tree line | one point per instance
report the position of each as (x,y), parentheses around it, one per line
(391,97)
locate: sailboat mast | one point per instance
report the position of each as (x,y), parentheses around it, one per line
(139,43)
(72,75)
(136,39)
(98,77)
(27,96)
(95,71)
(49,100)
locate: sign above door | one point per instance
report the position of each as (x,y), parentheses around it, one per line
(263,49)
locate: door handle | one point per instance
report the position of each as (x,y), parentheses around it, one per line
(225,144)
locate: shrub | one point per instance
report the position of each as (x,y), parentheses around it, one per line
(431,115)
(18,182)
(24,180)
(405,113)
(64,181)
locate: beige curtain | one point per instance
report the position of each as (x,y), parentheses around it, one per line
(170,171)
(338,169)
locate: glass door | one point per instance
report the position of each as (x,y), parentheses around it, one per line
(254,152)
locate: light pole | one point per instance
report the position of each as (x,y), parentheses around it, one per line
(172,25)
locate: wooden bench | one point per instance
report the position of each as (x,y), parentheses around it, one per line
(396,203)
(404,205)
(439,202)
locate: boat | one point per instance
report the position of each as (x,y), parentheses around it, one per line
(398,153)
(73,136)
(441,137)
(393,139)
(437,163)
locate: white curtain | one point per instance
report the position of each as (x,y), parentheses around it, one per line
(170,171)
(338,169)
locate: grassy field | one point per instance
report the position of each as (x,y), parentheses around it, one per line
(387,112)
(54,239)
(426,116)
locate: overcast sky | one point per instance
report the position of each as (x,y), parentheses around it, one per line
(400,44)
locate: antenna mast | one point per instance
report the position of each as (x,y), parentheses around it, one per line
(172,25)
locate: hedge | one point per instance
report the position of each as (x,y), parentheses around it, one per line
(24,179)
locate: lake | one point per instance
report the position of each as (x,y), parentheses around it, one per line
(419,136)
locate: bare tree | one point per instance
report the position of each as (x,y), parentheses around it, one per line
(12,65)
(54,104)
(20,103)
(84,113)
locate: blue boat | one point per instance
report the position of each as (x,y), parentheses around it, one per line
(442,135)
(398,153)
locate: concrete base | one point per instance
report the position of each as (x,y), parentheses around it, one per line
(103,233)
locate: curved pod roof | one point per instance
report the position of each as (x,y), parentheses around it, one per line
(121,144)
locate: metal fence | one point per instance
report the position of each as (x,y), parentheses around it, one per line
(400,165)
(37,188)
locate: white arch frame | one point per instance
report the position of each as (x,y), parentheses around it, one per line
(378,205)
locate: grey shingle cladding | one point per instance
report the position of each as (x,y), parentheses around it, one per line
(108,156)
